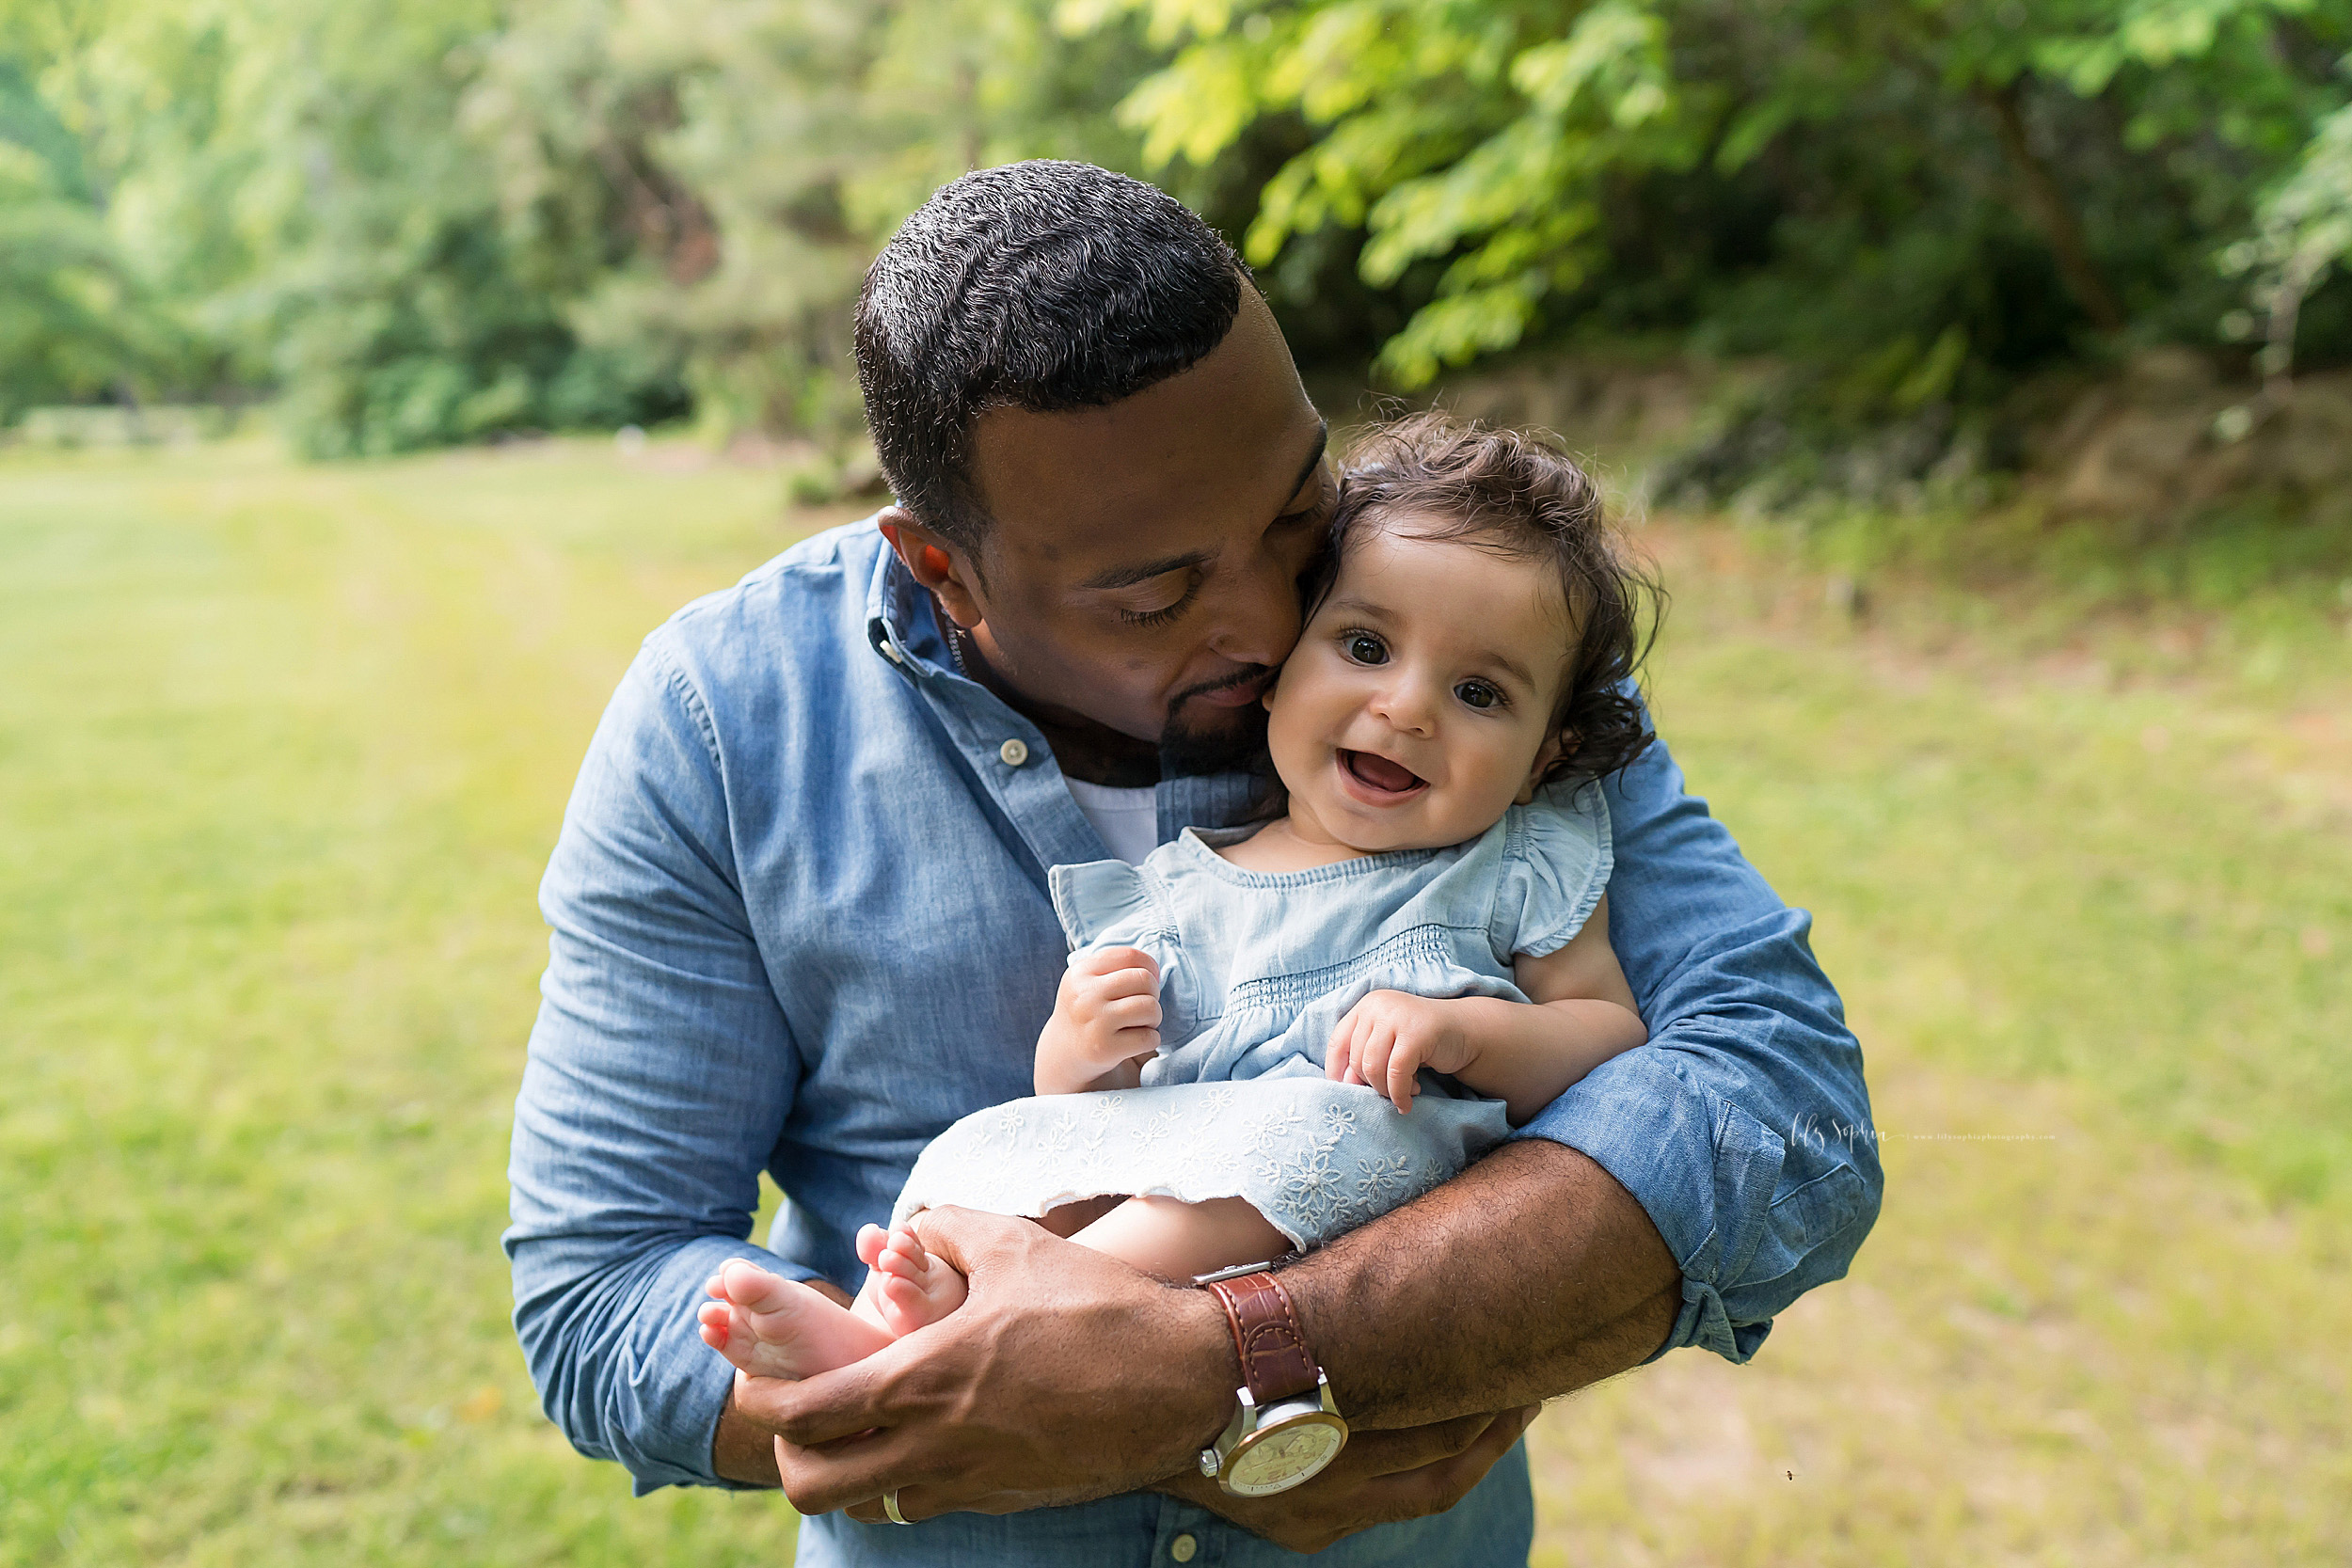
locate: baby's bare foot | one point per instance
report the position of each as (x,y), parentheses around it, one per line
(909,1287)
(770,1326)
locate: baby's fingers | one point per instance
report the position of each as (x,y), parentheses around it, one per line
(1372,1046)
(1123,1013)
(1095,996)
(1405,1075)
(1339,1055)
(1351,1066)
(1342,1069)
(1129,966)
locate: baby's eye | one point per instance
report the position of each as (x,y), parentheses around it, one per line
(1478,695)
(1364,648)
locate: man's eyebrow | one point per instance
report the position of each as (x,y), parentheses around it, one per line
(1127,577)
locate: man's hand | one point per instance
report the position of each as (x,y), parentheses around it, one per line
(1389,1036)
(1107,1013)
(1065,1375)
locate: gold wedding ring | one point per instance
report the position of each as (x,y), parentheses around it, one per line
(890,1506)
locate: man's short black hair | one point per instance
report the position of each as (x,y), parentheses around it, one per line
(1041,285)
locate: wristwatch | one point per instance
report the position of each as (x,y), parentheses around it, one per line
(1288,1427)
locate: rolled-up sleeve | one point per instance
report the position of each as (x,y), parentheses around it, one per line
(1743,1126)
(661,1070)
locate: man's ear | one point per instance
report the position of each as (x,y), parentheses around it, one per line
(936,565)
(1545,757)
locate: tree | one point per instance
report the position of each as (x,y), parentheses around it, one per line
(2304,232)
(736,165)
(1825,177)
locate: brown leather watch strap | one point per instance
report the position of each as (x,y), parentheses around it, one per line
(1276,1363)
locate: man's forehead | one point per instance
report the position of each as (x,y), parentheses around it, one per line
(1184,455)
(1111,510)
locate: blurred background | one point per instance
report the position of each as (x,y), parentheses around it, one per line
(374,374)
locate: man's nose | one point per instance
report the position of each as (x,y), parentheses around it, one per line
(1260,620)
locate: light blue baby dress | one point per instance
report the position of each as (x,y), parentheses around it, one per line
(1256,969)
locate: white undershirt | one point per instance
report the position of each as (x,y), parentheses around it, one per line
(1128,819)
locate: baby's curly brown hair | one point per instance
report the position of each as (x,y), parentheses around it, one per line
(1519,493)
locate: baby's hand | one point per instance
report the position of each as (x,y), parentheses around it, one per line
(1108,1009)
(1388,1037)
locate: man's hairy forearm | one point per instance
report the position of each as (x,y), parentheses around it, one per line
(743,1452)
(1529,1275)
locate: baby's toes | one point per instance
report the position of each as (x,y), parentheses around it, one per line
(905,1306)
(907,1256)
(751,1287)
(872,1238)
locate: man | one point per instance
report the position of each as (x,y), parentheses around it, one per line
(799,924)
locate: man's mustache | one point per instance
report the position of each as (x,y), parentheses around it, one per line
(1254,672)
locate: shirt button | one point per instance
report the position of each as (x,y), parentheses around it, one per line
(1015,753)
(1183,1548)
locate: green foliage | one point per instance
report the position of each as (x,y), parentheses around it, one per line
(1818,180)
(420,221)
(406,308)
(2304,232)
(740,164)
(75,320)
(59,286)
(436,220)
(1449,133)
(2310,213)
(309,212)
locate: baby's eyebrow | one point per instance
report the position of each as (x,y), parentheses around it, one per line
(1367,610)
(1510,667)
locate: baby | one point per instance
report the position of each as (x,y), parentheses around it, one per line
(1422,923)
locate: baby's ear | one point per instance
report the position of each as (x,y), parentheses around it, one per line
(1545,757)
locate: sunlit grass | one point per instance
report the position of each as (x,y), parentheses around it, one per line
(282,750)
(2096,935)
(281,753)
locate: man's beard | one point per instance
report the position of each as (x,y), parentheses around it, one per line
(1236,746)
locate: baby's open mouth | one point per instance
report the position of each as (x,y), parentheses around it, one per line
(1379,775)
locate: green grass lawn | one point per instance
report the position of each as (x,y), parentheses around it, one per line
(282,750)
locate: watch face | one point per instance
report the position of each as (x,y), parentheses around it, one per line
(1277,1459)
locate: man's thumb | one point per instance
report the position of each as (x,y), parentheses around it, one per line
(957,1237)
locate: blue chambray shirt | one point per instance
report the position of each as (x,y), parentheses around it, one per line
(800,925)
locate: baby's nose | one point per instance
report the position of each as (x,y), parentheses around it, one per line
(1403,707)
